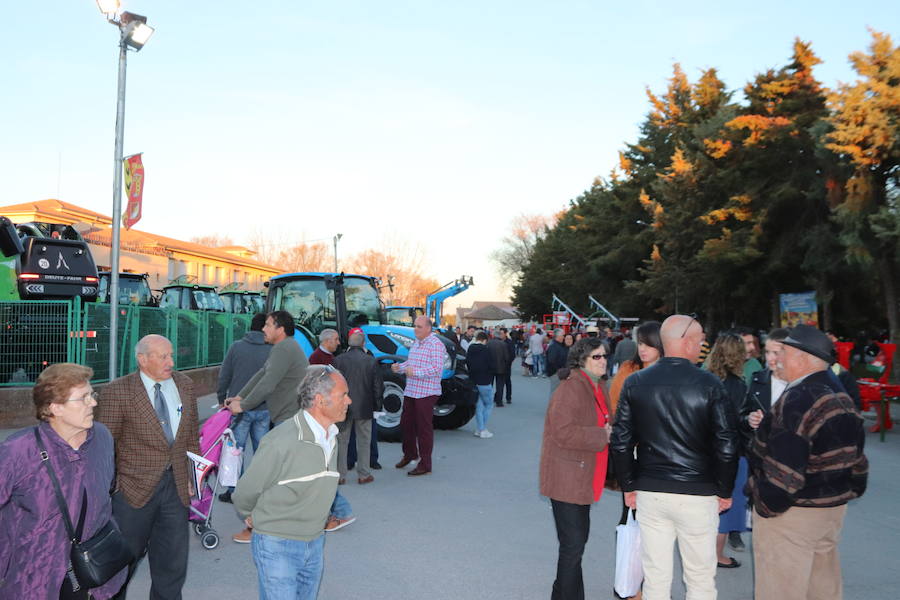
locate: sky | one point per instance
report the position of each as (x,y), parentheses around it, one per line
(430,123)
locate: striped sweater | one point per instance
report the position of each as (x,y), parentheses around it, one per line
(808,451)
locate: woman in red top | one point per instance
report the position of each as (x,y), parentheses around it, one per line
(574,458)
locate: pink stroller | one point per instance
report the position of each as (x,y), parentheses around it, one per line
(212,437)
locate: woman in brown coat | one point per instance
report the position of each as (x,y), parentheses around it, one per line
(574,458)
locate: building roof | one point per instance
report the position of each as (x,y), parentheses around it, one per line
(142,242)
(53,211)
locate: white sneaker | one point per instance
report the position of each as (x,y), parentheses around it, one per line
(477,433)
(485,434)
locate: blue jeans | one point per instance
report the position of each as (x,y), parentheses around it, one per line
(341,508)
(485,405)
(250,423)
(537,364)
(253,424)
(287,569)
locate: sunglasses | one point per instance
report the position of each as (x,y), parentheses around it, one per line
(326,370)
(693,317)
(598,356)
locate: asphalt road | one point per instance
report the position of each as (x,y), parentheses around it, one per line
(477,527)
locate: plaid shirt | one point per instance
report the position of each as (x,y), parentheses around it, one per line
(426,361)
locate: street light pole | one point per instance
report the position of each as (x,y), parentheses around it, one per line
(336,238)
(134,32)
(116,214)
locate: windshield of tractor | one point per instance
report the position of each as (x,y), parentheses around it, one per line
(363,303)
(131,291)
(207,300)
(310,303)
(402,315)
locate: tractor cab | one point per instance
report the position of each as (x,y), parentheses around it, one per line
(185,294)
(404,316)
(242,302)
(134,288)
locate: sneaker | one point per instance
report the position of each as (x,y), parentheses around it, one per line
(477,433)
(243,537)
(334,523)
(485,434)
(735,541)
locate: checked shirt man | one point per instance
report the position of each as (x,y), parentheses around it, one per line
(423,387)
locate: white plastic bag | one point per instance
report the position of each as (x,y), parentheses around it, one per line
(230,461)
(629,571)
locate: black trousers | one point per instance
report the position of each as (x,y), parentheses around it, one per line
(573,524)
(502,382)
(159,529)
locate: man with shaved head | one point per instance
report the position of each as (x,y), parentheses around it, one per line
(423,369)
(685,430)
(152,415)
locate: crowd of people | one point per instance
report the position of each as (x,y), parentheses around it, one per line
(693,435)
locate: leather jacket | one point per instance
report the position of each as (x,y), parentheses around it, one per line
(685,430)
(363,376)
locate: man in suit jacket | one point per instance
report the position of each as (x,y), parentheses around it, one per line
(152,415)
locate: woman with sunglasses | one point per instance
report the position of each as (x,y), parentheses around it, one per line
(34,543)
(726,361)
(574,457)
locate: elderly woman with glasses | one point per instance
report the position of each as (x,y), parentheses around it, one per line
(34,544)
(574,457)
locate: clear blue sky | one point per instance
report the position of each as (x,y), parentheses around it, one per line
(435,122)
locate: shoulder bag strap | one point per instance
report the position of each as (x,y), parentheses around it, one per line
(45,459)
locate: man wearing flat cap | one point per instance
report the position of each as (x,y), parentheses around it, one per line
(806,463)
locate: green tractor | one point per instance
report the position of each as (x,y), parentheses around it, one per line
(242,302)
(45,261)
(40,261)
(185,293)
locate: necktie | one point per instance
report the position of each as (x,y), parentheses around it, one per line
(159,403)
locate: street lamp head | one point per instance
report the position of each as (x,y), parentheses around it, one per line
(339,236)
(108,7)
(135,31)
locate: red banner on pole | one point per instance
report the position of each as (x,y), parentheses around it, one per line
(134,187)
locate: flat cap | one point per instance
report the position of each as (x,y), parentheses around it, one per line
(812,341)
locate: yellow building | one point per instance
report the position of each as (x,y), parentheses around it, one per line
(161,257)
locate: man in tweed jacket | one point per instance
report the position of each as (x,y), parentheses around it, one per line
(152,415)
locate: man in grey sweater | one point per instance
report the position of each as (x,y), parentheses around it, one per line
(286,494)
(276,383)
(245,357)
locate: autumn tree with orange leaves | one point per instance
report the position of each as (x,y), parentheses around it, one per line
(866,121)
(721,205)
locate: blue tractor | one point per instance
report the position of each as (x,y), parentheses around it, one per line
(341,301)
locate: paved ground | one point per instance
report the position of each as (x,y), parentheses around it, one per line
(477,527)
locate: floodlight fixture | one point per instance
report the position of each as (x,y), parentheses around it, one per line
(135,31)
(108,7)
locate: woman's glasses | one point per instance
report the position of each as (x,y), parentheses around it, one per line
(598,356)
(92,395)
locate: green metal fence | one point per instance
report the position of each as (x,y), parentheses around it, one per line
(39,333)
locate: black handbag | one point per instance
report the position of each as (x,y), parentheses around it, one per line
(95,561)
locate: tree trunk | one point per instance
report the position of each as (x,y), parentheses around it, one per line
(887,273)
(776,310)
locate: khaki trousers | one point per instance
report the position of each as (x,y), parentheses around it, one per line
(363,446)
(796,554)
(694,522)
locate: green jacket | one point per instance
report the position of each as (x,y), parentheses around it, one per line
(289,487)
(277,382)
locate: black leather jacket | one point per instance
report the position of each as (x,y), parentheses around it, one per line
(685,430)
